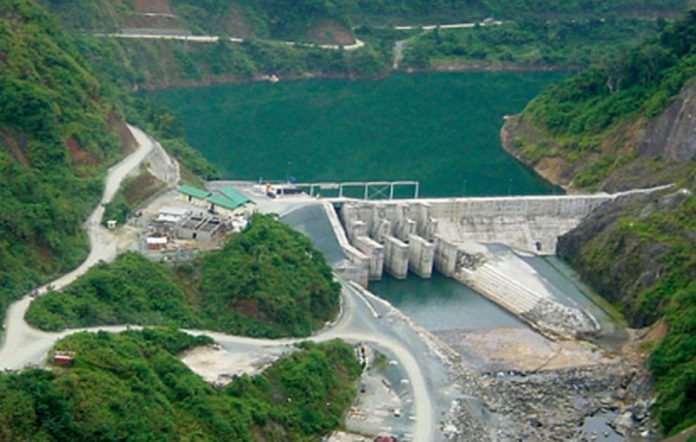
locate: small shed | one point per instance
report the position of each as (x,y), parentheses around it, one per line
(156,243)
(63,358)
(221,205)
(228,202)
(170,215)
(194,195)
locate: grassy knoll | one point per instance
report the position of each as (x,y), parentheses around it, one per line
(133,192)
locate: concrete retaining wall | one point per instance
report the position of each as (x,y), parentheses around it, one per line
(445,256)
(358,265)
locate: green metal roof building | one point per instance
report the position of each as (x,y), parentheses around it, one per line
(234,196)
(194,192)
(222,202)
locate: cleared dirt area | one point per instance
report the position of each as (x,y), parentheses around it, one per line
(218,366)
(642,341)
(152,6)
(331,32)
(235,24)
(521,349)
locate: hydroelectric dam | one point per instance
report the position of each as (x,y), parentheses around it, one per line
(478,241)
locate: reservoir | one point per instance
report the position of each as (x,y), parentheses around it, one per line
(439,129)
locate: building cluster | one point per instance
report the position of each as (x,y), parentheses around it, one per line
(226,202)
(206,217)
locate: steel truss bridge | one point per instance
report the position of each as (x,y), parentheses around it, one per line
(370,190)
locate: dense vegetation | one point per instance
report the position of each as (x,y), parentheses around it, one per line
(266,281)
(285,19)
(55,144)
(639,252)
(131,386)
(159,64)
(531,43)
(587,121)
(568,39)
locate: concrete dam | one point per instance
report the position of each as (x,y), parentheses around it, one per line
(457,237)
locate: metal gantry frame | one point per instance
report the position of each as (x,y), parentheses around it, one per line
(371,189)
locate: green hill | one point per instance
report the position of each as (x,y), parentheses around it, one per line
(266,281)
(286,19)
(547,34)
(627,124)
(593,130)
(131,386)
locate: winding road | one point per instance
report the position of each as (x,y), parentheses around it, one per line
(364,318)
(104,247)
(214,39)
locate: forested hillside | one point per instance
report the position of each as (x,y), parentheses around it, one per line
(58,134)
(591,131)
(536,35)
(528,43)
(628,123)
(267,281)
(293,18)
(131,386)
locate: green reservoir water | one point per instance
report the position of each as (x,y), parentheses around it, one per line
(439,129)
(441,303)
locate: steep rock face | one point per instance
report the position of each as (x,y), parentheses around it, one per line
(672,134)
(623,250)
(640,152)
(638,252)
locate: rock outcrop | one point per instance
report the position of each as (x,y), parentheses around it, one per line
(672,134)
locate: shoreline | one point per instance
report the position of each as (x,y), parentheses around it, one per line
(319,75)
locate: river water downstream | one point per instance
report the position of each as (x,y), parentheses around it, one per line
(441,303)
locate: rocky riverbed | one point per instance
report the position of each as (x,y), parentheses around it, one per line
(519,385)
